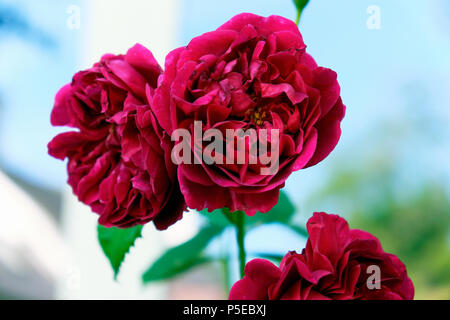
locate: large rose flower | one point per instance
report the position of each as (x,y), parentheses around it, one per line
(119,158)
(251,73)
(338,264)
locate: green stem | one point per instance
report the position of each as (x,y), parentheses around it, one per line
(300,5)
(299,14)
(226,273)
(240,237)
(238,220)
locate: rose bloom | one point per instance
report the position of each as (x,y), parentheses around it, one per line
(336,264)
(251,73)
(119,158)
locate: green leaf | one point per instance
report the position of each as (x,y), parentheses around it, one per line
(183,257)
(281,213)
(300,5)
(299,230)
(270,256)
(217,217)
(116,243)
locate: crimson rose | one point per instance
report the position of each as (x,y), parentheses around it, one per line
(119,158)
(337,263)
(251,73)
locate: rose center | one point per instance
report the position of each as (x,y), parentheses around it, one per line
(258,115)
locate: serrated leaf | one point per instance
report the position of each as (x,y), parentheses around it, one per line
(116,243)
(183,257)
(282,212)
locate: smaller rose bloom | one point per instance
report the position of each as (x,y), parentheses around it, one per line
(337,264)
(119,157)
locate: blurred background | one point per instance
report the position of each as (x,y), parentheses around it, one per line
(389,175)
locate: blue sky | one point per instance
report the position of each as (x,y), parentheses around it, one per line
(380,71)
(374,67)
(30,75)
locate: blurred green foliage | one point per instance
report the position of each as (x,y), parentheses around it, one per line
(414,226)
(385,186)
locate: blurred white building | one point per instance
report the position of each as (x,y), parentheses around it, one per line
(32,251)
(109,26)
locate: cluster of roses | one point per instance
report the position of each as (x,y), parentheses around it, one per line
(252,72)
